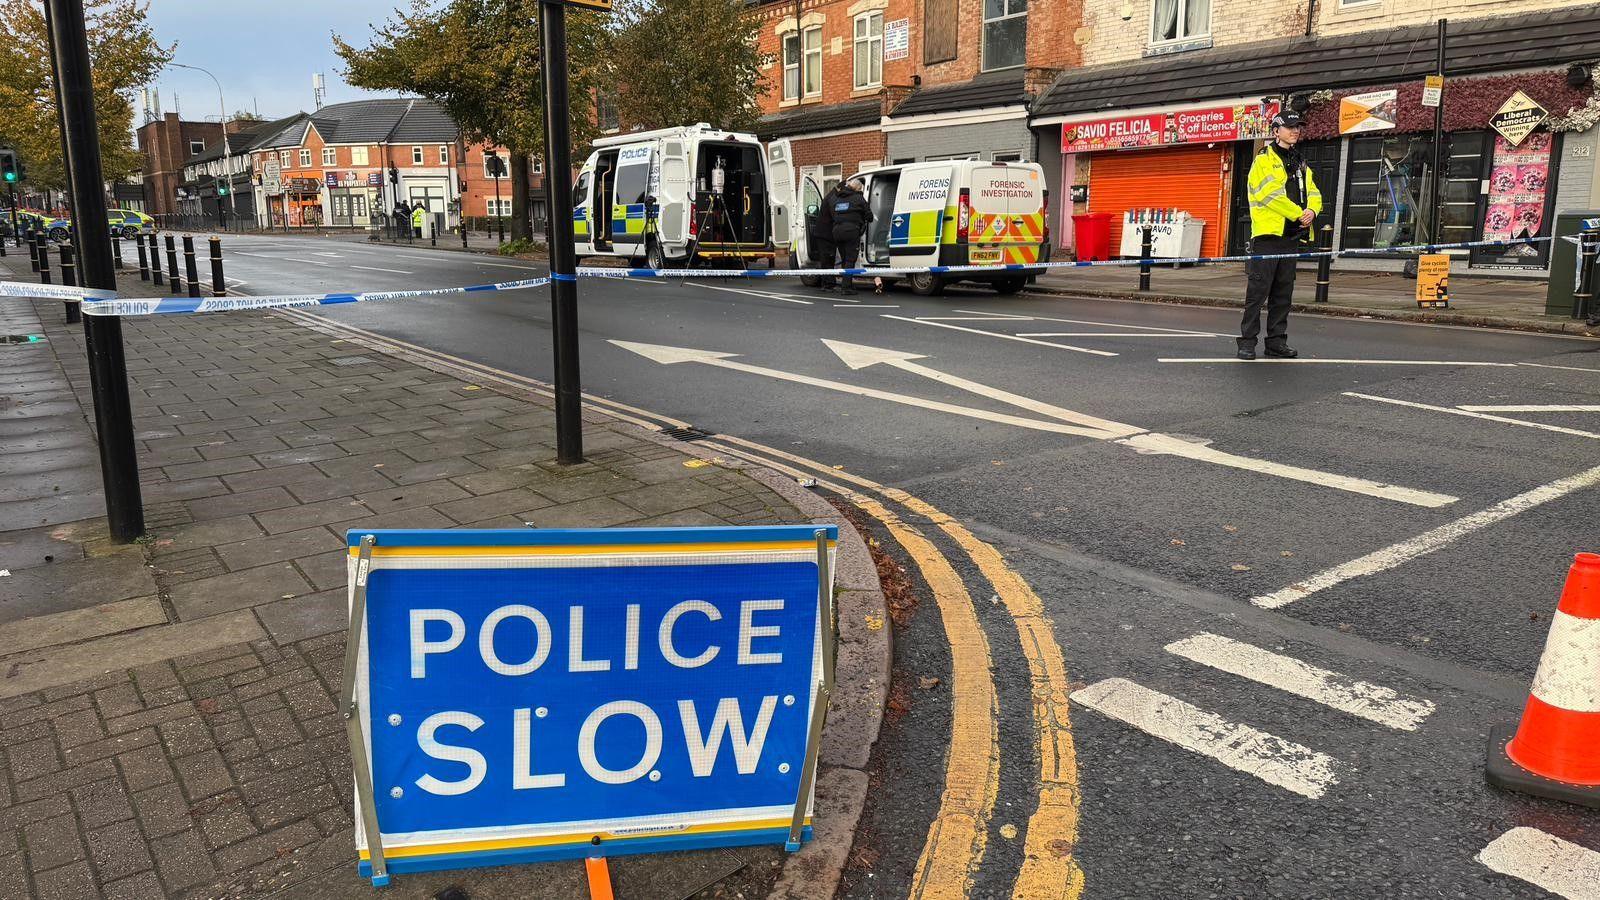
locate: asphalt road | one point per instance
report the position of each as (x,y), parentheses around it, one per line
(1236,482)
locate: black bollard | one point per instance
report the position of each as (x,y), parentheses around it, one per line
(33,251)
(1324,263)
(1144,259)
(116,249)
(191,273)
(1583,296)
(155,260)
(219,285)
(172,266)
(42,253)
(69,276)
(144,264)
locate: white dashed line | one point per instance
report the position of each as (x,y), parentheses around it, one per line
(1576,432)
(1006,337)
(1362,699)
(1527,409)
(1270,758)
(1560,867)
(1345,362)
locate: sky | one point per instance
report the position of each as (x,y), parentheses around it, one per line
(262,51)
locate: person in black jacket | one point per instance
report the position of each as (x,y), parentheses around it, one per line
(847,207)
(819,232)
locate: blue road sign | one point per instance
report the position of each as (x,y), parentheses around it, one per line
(531,695)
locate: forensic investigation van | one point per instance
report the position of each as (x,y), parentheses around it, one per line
(944,213)
(681,196)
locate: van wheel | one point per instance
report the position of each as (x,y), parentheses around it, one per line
(809,281)
(655,257)
(1011,285)
(927,284)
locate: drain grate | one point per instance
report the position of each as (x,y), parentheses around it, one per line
(349,360)
(689,433)
(21,338)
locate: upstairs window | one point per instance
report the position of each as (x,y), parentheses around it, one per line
(196,147)
(330,156)
(358,156)
(444,154)
(869,50)
(1005,34)
(791,67)
(813,61)
(1179,20)
(305,158)
(416,156)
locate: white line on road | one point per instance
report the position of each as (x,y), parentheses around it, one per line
(1128,325)
(1108,334)
(1365,700)
(381,269)
(479,262)
(1268,757)
(1168,445)
(1429,541)
(1560,867)
(1550,408)
(867,306)
(670,355)
(1347,362)
(1577,432)
(769,296)
(996,334)
(1567,368)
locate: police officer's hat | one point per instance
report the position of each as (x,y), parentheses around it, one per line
(1288,119)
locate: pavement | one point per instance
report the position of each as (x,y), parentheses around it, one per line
(167,716)
(1170,623)
(1475,299)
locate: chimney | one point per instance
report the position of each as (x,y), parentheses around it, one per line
(892,94)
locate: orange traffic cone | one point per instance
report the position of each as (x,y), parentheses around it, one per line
(1556,749)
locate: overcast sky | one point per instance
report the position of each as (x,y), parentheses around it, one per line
(263,51)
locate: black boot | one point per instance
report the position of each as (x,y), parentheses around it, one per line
(1247,352)
(1282,351)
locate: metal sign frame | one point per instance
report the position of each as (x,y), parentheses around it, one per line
(379,862)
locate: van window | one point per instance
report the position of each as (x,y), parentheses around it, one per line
(880,199)
(632,182)
(580,191)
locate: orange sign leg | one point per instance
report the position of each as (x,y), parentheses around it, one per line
(599,879)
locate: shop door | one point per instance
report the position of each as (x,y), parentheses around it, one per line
(1185,178)
(1321,156)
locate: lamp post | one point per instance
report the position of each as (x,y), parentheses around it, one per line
(227,149)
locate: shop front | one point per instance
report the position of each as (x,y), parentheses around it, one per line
(352,196)
(301,204)
(1507,143)
(1168,166)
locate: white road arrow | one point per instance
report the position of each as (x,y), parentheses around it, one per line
(859,356)
(671,355)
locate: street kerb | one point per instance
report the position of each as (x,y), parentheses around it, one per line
(1552,752)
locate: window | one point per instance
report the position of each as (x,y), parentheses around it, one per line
(444,154)
(283,158)
(196,147)
(1005,34)
(538,166)
(813,61)
(1344,4)
(869,50)
(416,156)
(1179,20)
(791,67)
(489,173)
(493,207)
(605,111)
(330,156)
(1008,156)
(358,156)
(305,158)
(940,27)
(1388,197)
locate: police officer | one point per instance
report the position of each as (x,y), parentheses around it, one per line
(419,213)
(847,207)
(1284,201)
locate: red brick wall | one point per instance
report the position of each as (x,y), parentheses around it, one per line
(847,150)
(838,70)
(1050,44)
(164,146)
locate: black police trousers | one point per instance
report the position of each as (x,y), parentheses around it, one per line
(1271,283)
(848,239)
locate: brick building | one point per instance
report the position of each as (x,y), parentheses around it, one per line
(1173,97)
(349,164)
(166,143)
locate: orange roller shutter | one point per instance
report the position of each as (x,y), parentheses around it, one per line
(1192,179)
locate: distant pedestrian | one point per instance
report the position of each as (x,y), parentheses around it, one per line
(419,214)
(1284,201)
(850,213)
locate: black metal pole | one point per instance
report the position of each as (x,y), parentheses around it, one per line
(563,256)
(15,234)
(33,250)
(1324,263)
(155,260)
(42,252)
(191,272)
(1583,297)
(69,276)
(116,249)
(108,371)
(144,264)
(219,285)
(1144,258)
(499,216)
(1437,181)
(174,282)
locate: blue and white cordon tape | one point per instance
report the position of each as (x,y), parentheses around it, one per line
(97,302)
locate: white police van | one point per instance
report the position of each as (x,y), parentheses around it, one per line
(943,213)
(680,196)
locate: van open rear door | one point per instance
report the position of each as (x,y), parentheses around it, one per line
(673,203)
(781,192)
(1007,214)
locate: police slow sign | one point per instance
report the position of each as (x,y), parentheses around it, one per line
(531,695)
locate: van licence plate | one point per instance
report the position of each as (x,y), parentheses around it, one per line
(984,256)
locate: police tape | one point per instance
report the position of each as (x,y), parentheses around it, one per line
(99,302)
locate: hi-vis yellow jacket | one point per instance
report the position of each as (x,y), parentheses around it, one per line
(1270,206)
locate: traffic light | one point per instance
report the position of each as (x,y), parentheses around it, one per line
(10,171)
(222,190)
(394,175)
(497,166)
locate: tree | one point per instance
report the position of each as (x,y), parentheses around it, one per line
(245,115)
(479,59)
(124,54)
(677,62)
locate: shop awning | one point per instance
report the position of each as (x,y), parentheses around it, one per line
(1473,46)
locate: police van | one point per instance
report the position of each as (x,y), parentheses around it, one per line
(944,213)
(680,196)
